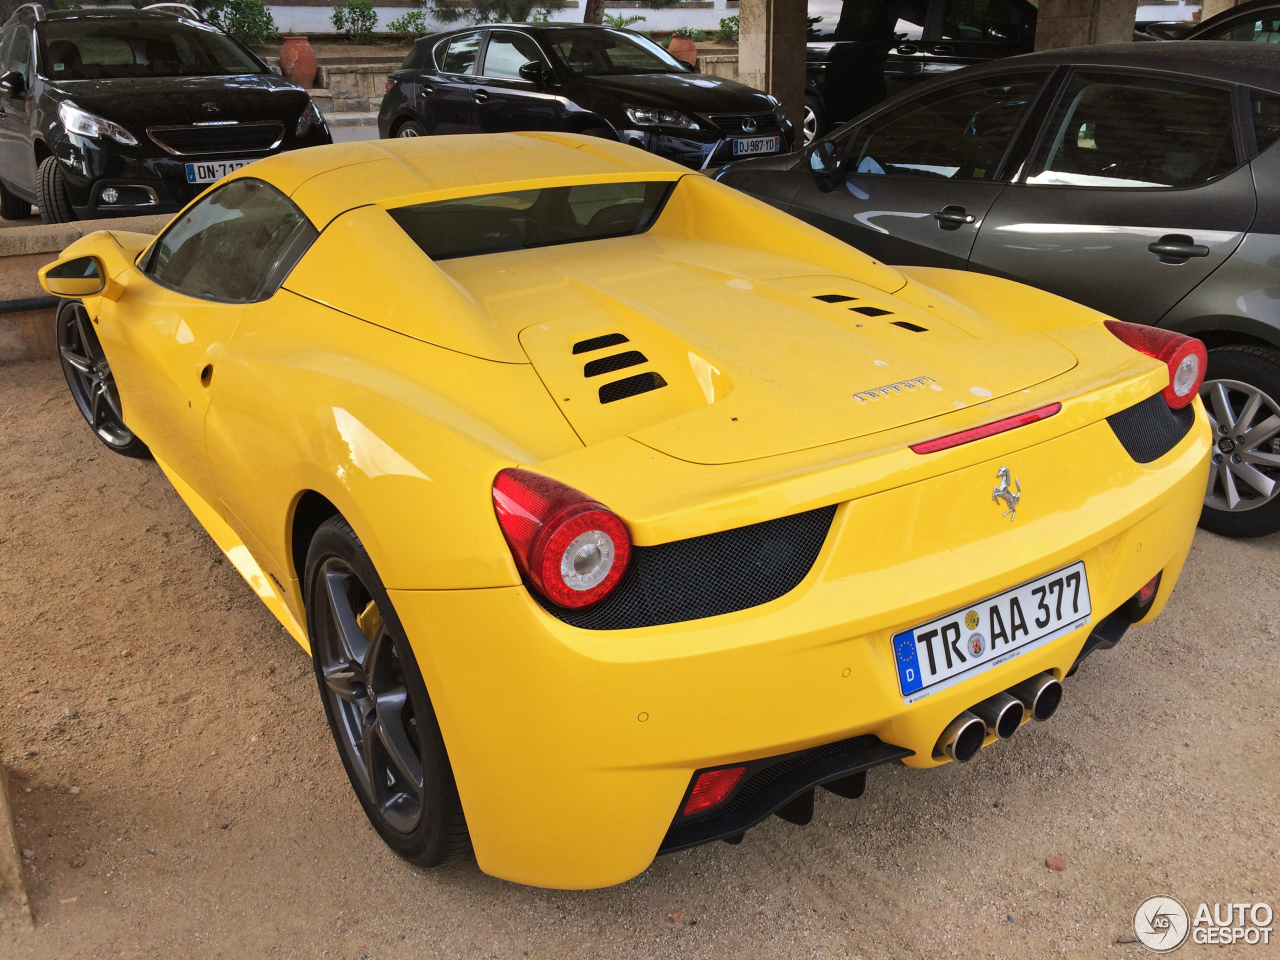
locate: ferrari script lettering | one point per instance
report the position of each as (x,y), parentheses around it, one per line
(889,389)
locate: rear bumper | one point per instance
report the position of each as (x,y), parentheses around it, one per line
(573,748)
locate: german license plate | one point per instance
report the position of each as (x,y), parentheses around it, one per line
(965,642)
(208,171)
(750,145)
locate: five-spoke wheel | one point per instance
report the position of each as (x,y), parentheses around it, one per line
(377,704)
(89,377)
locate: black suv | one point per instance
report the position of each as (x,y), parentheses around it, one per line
(112,112)
(862,51)
(578,78)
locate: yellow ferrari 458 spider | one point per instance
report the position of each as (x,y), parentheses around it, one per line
(618,510)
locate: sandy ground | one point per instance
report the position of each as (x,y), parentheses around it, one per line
(179,795)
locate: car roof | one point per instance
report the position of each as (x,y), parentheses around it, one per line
(1249,64)
(26,13)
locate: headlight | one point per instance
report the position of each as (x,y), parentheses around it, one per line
(87,124)
(659,117)
(310,118)
(780,113)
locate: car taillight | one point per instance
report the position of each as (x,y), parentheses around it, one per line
(573,549)
(390,83)
(1184,356)
(987,429)
(711,788)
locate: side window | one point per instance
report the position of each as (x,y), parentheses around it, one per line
(1262,30)
(1113,131)
(6,42)
(19,53)
(507,53)
(958,133)
(460,55)
(236,245)
(877,21)
(990,21)
(1266,118)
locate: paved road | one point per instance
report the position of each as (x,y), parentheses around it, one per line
(179,794)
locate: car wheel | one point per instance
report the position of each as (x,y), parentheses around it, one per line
(815,119)
(377,704)
(1241,395)
(13,207)
(89,376)
(411,128)
(51,193)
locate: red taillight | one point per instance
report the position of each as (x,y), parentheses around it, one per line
(1148,591)
(986,430)
(711,788)
(572,548)
(390,83)
(1184,356)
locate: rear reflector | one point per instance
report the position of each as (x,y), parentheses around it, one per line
(711,788)
(1148,591)
(986,430)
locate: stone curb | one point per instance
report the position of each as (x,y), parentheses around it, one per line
(53,237)
(15,911)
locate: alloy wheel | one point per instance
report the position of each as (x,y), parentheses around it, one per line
(89,375)
(408,130)
(364,681)
(1245,473)
(810,125)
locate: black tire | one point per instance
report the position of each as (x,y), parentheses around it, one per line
(377,703)
(13,207)
(51,193)
(1236,376)
(410,128)
(90,380)
(813,123)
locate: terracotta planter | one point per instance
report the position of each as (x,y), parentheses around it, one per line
(682,48)
(298,61)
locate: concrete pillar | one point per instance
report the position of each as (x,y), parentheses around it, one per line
(771,48)
(1075,23)
(1214,7)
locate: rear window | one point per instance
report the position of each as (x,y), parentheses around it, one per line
(494,222)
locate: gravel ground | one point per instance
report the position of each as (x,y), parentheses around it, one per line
(178,793)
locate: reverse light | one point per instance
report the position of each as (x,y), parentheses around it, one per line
(90,125)
(573,549)
(1184,356)
(987,429)
(659,117)
(711,788)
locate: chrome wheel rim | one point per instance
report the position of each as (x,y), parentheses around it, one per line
(364,682)
(406,131)
(1245,473)
(810,125)
(89,375)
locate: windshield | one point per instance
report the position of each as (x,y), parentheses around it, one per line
(105,48)
(493,222)
(590,52)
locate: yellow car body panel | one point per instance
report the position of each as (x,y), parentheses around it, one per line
(395,388)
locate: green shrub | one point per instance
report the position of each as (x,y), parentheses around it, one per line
(621,22)
(692,34)
(357,19)
(413,25)
(728,31)
(249,21)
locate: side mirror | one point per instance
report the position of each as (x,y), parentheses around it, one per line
(823,159)
(76,278)
(12,84)
(534,73)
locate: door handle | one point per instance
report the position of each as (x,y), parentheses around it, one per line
(952,217)
(1177,248)
(944,48)
(428,90)
(480,96)
(907,49)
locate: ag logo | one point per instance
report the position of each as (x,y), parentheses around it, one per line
(1161,924)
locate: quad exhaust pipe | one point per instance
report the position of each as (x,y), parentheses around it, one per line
(1000,716)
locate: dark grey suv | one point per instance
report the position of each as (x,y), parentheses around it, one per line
(1139,179)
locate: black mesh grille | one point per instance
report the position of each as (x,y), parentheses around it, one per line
(1148,430)
(753,124)
(913,327)
(631,386)
(709,576)
(770,783)
(232,138)
(619,361)
(871,311)
(833,298)
(599,343)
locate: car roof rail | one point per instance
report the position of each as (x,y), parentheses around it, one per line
(181,9)
(36,8)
